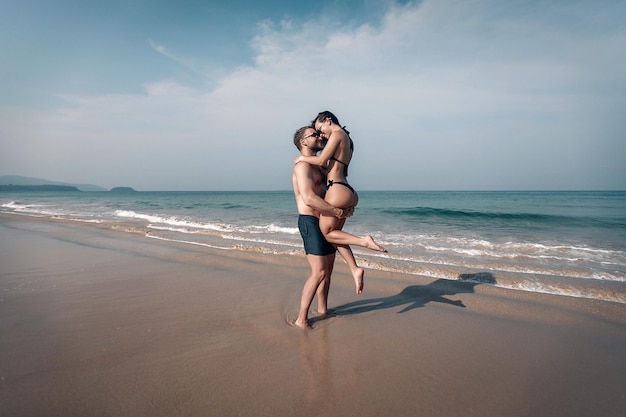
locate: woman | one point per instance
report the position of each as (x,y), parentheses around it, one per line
(336,157)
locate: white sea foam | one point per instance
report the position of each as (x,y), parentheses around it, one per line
(173,221)
(12,205)
(261,241)
(28,208)
(279,229)
(174,229)
(188,242)
(544,288)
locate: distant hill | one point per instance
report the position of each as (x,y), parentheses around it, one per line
(17,180)
(123,190)
(43,187)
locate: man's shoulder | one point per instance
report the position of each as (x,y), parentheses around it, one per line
(312,171)
(302,166)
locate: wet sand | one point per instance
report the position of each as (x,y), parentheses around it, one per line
(99,322)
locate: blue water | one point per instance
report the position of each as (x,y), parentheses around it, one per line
(567,243)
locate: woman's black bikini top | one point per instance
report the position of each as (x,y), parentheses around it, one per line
(345,166)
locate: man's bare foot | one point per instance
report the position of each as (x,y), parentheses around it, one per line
(302,324)
(326,314)
(357,274)
(370,244)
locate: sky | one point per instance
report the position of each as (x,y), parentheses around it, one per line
(206,95)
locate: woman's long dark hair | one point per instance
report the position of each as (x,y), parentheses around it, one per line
(323,116)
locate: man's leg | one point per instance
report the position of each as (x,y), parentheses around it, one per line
(324,287)
(318,274)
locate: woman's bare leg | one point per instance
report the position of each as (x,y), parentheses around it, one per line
(331,228)
(346,253)
(356,271)
(339,237)
(326,225)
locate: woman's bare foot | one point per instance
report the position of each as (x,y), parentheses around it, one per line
(357,274)
(302,324)
(370,244)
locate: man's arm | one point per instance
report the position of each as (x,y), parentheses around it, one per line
(306,186)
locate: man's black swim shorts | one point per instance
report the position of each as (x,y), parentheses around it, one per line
(314,241)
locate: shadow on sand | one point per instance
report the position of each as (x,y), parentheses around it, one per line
(416,296)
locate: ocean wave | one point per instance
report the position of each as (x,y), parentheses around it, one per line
(261,241)
(471,216)
(231,206)
(183,230)
(512,250)
(12,205)
(272,228)
(544,288)
(286,250)
(37,210)
(18,206)
(173,221)
(438,212)
(504,252)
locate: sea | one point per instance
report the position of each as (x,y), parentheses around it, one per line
(564,243)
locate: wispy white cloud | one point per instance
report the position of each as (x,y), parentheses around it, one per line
(163,50)
(160,49)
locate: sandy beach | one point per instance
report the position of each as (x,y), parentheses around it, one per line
(99,322)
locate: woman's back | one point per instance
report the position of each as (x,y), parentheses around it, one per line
(338,164)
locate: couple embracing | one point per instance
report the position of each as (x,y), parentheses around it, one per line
(325,200)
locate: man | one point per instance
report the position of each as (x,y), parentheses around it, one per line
(308,187)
